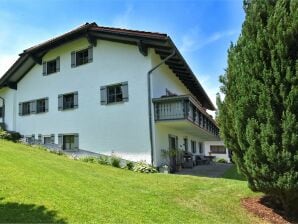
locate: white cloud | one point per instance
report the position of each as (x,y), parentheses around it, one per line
(193,39)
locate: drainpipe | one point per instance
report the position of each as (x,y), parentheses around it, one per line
(149,101)
(3,109)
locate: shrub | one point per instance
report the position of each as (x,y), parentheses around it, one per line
(4,135)
(103,160)
(89,159)
(221,160)
(143,167)
(115,161)
(11,136)
(129,165)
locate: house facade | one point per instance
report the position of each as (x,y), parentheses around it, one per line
(91,89)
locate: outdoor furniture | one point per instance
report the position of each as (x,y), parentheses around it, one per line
(209,158)
(187,160)
(201,161)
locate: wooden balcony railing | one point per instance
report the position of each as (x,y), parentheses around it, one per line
(184,107)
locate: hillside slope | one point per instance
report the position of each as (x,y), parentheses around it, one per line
(38,186)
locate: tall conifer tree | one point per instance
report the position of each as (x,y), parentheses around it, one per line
(258,117)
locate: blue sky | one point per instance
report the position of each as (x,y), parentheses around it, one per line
(201,29)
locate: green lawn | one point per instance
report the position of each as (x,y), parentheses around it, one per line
(38,186)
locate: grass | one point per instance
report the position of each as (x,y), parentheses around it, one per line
(233,173)
(37,186)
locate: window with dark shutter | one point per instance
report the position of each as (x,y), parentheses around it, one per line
(114,93)
(25,107)
(81,57)
(68,101)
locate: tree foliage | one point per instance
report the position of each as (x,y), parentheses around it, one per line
(258,117)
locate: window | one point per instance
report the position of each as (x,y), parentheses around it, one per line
(50,67)
(34,106)
(201,150)
(68,141)
(81,57)
(26,108)
(30,139)
(185,144)
(1,112)
(217,149)
(41,106)
(68,101)
(193,147)
(114,93)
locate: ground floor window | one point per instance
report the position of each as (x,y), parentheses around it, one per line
(68,141)
(201,150)
(193,147)
(1,112)
(47,140)
(185,144)
(217,149)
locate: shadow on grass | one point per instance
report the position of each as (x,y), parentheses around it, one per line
(11,212)
(233,174)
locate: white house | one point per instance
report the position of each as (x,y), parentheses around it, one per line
(109,90)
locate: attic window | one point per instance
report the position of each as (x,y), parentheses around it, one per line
(52,66)
(81,57)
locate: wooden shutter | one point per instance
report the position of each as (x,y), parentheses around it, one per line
(75,100)
(44,68)
(20,109)
(60,140)
(33,107)
(124,88)
(46,104)
(76,141)
(52,138)
(60,102)
(103,95)
(58,64)
(90,54)
(73,59)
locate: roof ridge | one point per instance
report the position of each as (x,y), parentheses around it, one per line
(80,27)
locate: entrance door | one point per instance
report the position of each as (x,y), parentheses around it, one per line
(68,142)
(173,145)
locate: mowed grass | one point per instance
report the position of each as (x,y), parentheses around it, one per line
(37,187)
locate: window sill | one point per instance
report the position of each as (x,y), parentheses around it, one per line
(81,64)
(115,103)
(68,109)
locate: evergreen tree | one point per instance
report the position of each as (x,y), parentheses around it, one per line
(258,117)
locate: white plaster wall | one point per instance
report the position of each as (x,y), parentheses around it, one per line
(218,156)
(163,78)
(162,142)
(120,128)
(10,97)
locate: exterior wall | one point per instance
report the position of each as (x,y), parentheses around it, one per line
(162,142)
(163,78)
(9,96)
(119,127)
(207,145)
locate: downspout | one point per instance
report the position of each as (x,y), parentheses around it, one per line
(149,101)
(3,109)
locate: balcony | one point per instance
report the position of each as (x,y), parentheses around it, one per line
(184,112)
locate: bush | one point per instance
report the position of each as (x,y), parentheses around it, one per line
(103,160)
(143,167)
(221,160)
(89,159)
(115,161)
(129,165)
(10,136)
